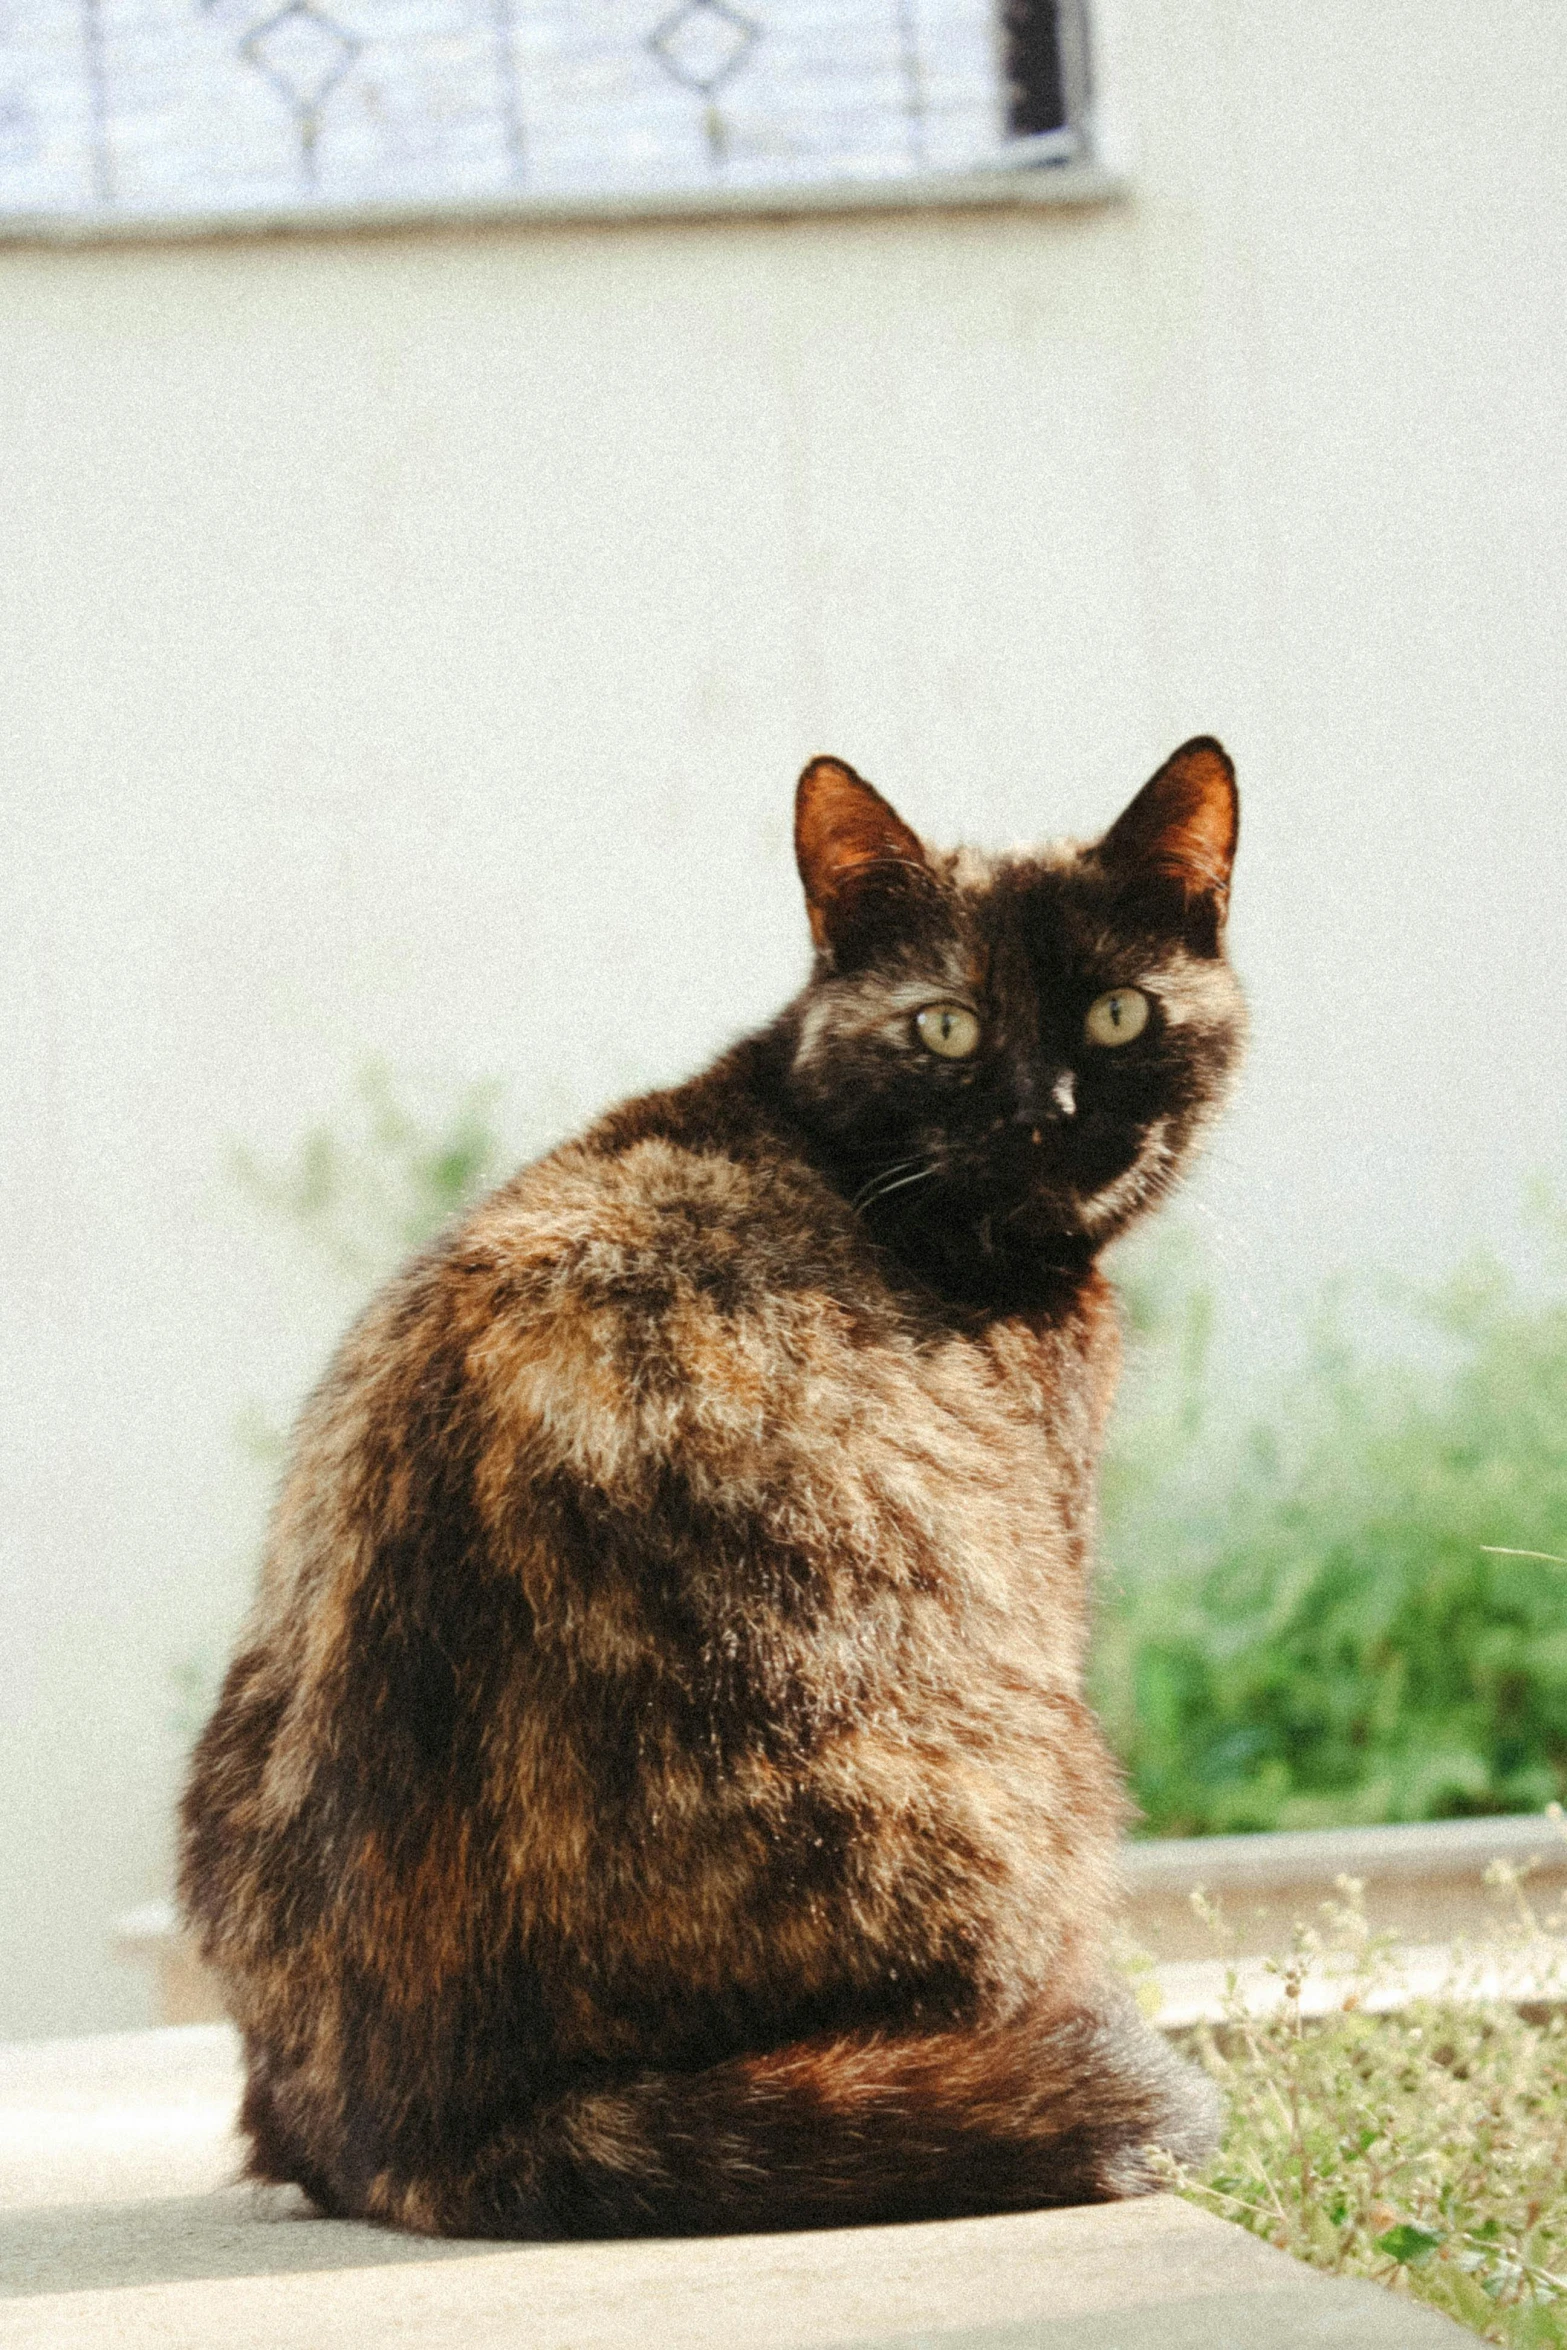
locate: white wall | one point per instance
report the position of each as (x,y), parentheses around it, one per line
(409,643)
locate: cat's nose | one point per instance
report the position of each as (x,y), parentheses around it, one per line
(1039,1102)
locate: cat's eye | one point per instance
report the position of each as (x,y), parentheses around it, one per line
(1117,1017)
(948,1029)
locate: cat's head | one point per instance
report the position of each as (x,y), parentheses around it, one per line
(1007,1058)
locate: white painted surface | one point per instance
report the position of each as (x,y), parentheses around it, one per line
(409,644)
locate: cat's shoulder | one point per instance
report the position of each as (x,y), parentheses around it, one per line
(640,1213)
(646,1288)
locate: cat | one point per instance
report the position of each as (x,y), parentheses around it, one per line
(655,1791)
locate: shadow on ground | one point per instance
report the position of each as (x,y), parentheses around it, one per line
(234,2232)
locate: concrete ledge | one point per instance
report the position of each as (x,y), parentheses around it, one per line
(119,2226)
(1427,1884)
(1434,1851)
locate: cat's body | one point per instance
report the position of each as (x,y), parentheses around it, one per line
(655,1792)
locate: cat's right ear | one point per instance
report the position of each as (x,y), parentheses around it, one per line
(858,860)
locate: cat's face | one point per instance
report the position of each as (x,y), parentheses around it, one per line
(1002,1054)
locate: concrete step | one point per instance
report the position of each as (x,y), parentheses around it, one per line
(120,2230)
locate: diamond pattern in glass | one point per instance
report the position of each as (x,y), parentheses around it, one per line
(703,43)
(302,53)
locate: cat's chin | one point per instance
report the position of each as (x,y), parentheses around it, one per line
(1080,1211)
(1063,1211)
(1103,1212)
(1049,1218)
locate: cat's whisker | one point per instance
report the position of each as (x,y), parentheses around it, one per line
(869,1187)
(920,1175)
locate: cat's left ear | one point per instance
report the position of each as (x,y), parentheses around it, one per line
(858,860)
(1178,836)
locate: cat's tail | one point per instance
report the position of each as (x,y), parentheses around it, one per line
(839,2132)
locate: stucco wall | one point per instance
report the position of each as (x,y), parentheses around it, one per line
(409,643)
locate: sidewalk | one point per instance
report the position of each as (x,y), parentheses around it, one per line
(119,2230)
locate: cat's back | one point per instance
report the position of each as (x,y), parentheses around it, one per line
(641,1296)
(648,1540)
(675,1323)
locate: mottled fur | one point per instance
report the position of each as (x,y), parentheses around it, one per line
(655,1790)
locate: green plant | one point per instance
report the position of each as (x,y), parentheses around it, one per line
(1425,2148)
(1355,1615)
(366,1191)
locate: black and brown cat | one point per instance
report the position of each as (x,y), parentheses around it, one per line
(655,1792)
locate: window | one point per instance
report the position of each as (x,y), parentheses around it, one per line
(130,110)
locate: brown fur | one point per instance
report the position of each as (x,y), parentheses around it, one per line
(655,1791)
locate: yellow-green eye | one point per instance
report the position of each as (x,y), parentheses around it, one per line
(1117,1017)
(948,1029)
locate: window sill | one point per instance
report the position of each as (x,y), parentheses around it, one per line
(1027,188)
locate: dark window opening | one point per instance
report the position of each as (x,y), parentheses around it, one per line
(1041,45)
